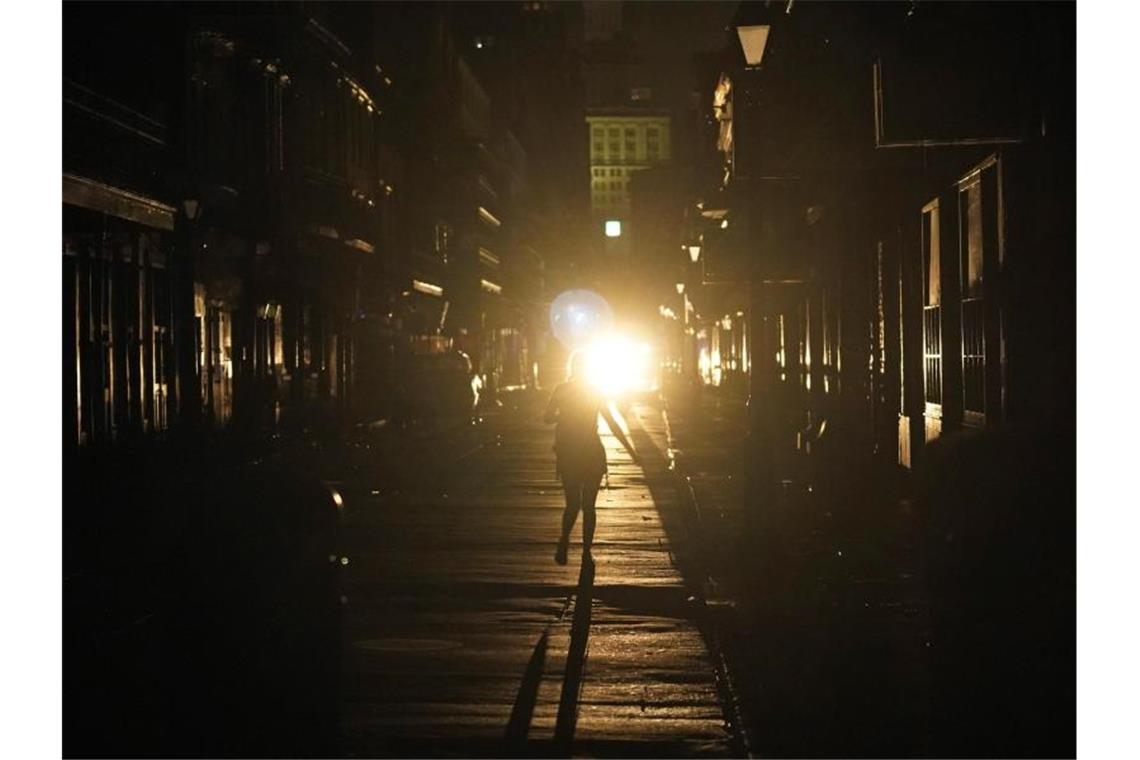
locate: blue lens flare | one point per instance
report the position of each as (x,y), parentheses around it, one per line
(578,316)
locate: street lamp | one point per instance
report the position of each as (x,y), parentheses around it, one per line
(753,41)
(192,208)
(694,253)
(680,288)
(753,25)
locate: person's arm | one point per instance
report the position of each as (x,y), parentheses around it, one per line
(615,428)
(550,416)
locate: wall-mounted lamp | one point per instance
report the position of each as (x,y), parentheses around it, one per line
(753,41)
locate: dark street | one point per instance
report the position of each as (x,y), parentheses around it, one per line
(463,637)
(569,379)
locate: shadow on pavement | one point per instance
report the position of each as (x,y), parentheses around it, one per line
(523,711)
(575,661)
(674,521)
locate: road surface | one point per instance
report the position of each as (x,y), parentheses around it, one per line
(463,637)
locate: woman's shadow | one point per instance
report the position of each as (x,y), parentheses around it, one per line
(523,711)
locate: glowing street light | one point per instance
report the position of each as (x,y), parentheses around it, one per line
(680,288)
(694,253)
(753,41)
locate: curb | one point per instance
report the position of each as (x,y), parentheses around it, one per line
(711,623)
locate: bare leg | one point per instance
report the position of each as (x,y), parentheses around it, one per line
(589,516)
(573,492)
(573,505)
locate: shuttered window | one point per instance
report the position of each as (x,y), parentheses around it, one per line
(979,252)
(931,305)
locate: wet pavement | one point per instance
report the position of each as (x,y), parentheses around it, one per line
(463,637)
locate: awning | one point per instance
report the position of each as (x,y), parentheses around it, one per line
(114,201)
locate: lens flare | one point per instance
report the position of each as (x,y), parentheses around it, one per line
(577,317)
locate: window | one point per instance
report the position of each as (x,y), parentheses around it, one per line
(973,317)
(630,147)
(488,218)
(782,351)
(442,239)
(932,308)
(805,345)
(979,245)
(829,319)
(970,208)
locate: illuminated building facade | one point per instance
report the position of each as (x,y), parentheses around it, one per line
(622,144)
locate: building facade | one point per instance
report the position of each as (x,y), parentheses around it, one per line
(622,144)
(267,220)
(895,213)
(826,235)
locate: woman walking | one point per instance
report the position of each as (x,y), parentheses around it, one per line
(574,407)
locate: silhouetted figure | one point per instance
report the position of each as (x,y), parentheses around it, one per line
(574,407)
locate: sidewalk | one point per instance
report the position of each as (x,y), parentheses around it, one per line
(821,611)
(463,637)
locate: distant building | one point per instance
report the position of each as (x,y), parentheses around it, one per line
(622,144)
